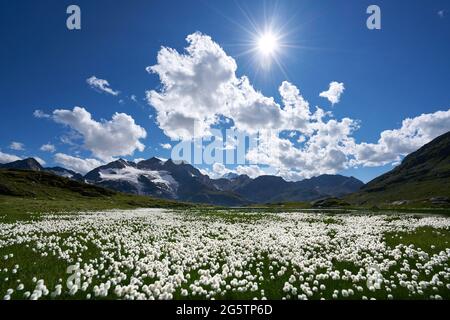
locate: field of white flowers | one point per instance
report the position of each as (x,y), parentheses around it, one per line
(163,254)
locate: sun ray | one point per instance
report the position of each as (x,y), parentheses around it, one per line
(270,39)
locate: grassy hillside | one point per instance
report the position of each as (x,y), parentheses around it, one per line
(422,179)
(22,192)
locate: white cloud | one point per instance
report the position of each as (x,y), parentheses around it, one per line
(119,136)
(40,160)
(48,147)
(326,150)
(40,114)
(219,169)
(441,13)
(393,144)
(296,112)
(195,85)
(101,85)
(166,145)
(18,146)
(138,160)
(77,164)
(301,139)
(333,94)
(6,158)
(252,171)
(200,87)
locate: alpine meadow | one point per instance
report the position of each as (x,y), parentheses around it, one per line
(254,152)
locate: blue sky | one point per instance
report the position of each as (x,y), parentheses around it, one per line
(398,72)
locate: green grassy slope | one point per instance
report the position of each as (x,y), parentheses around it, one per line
(422,176)
(22,192)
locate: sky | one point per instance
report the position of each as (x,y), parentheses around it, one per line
(321,92)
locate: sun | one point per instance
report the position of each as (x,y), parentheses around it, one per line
(268,38)
(267,44)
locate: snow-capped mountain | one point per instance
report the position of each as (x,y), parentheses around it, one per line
(181,181)
(146,179)
(164,179)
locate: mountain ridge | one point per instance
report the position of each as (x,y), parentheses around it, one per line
(422,177)
(182,181)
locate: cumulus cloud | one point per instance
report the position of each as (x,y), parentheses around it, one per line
(76,164)
(165,145)
(252,171)
(18,146)
(200,88)
(334,92)
(40,114)
(195,85)
(220,169)
(48,147)
(101,85)
(393,144)
(40,160)
(6,157)
(119,136)
(327,149)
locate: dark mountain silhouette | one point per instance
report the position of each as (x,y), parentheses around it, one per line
(25,164)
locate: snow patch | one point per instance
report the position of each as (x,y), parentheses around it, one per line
(130,174)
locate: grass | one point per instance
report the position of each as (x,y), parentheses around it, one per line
(29,192)
(26,196)
(33,264)
(19,208)
(23,192)
(428,239)
(417,194)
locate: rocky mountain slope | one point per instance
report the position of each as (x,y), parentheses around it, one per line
(181,181)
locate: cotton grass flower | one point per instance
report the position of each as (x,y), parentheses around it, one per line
(159,254)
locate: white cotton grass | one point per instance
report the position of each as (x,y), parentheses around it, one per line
(160,254)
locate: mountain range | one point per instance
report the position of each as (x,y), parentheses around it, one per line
(422,179)
(181,181)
